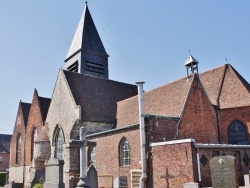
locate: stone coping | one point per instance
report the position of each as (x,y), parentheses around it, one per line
(222,146)
(172,142)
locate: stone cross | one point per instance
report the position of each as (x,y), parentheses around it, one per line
(83,167)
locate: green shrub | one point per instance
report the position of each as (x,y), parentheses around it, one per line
(2,179)
(38,185)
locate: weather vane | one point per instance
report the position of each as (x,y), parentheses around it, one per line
(226,60)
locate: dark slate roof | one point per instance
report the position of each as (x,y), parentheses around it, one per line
(225,87)
(86,36)
(5,143)
(44,105)
(98,97)
(26,110)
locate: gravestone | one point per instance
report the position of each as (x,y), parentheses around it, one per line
(224,172)
(92,177)
(135,177)
(191,185)
(120,181)
(54,173)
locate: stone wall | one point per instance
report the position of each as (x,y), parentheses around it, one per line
(16,174)
(63,112)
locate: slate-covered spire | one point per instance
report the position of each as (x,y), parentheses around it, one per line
(87,54)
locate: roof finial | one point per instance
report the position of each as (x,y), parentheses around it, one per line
(226,60)
(189,52)
(86,2)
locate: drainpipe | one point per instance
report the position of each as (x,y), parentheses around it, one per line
(142,134)
(198,163)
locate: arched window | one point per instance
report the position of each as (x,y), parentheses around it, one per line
(19,149)
(59,143)
(237,133)
(124,153)
(92,156)
(33,138)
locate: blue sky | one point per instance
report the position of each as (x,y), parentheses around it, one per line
(146,40)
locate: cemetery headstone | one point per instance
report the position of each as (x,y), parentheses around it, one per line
(54,173)
(92,177)
(224,172)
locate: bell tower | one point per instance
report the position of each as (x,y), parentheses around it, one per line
(191,65)
(87,54)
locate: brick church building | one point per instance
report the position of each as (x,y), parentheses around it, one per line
(187,122)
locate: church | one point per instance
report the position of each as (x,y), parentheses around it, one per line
(187,123)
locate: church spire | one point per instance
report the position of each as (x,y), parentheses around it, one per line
(87,54)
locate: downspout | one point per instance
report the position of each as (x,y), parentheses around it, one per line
(142,134)
(24,162)
(198,163)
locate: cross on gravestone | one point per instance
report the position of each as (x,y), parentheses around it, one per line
(224,172)
(83,167)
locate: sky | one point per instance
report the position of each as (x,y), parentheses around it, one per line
(146,41)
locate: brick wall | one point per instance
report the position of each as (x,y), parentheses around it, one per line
(199,117)
(172,164)
(226,116)
(34,122)
(4,163)
(205,154)
(107,155)
(19,129)
(15,170)
(161,128)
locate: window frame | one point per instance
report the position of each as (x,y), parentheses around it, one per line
(34,134)
(58,142)
(124,152)
(230,132)
(19,149)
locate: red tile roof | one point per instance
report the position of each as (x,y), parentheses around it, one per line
(225,87)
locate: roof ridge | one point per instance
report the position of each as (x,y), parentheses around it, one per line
(186,77)
(221,85)
(44,98)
